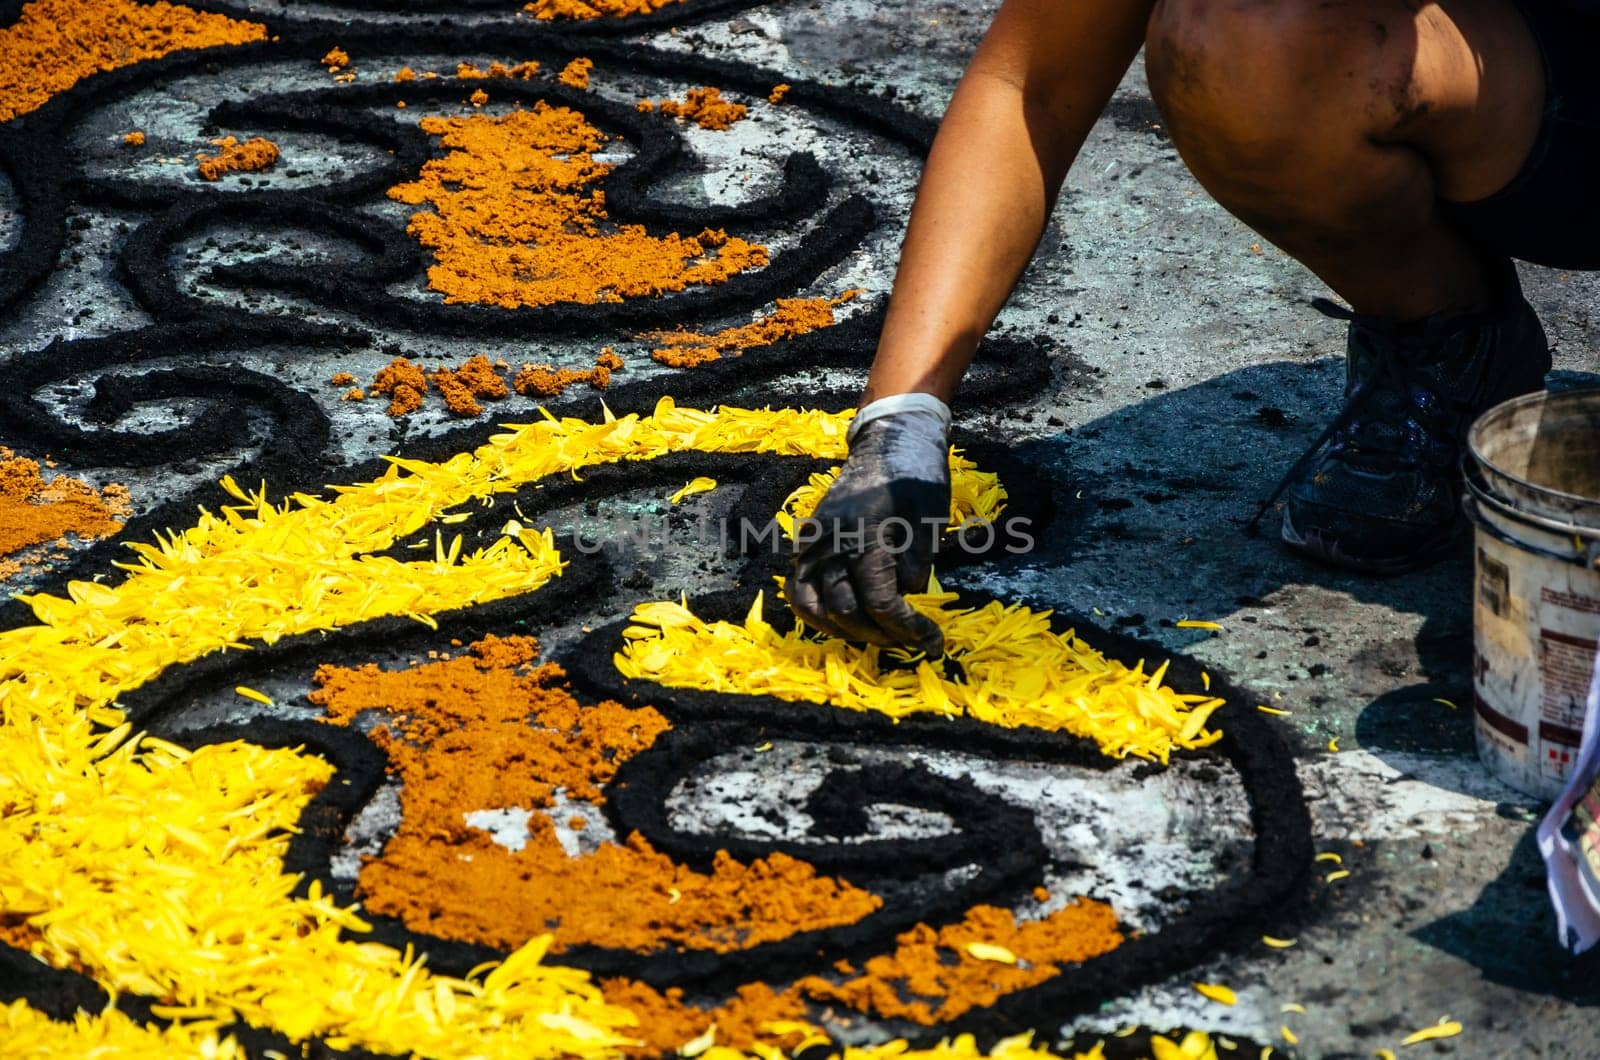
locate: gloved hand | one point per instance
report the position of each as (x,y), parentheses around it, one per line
(873,536)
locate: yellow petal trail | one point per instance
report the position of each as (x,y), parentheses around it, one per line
(1018,672)
(159,871)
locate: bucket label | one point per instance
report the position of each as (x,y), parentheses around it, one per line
(1566,666)
(1494,582)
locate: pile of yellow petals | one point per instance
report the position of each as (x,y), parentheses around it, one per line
(158,871)
(1017,672)
(27,1033)
(975,496)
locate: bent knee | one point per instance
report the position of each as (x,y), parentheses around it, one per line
(1255,76)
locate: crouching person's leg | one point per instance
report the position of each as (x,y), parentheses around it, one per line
(1342,131)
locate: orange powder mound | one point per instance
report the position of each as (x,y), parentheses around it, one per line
(478,98)
(666,1022)
(515,221)
(545,10)
(543,380)
(404,74)
(931,977)
(576,73)
(462,386)
(404,383)
(54,44)
(254,154)
(342,379)
(493,729)
(793,316)
(706,108)
(778,92)
(33,511)
(336,59)
(134,139)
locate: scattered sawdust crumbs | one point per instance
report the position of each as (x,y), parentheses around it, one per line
(703,106)
(406,384)
(37,516)
(791,317)
(250,156)
(546,10)
(576,73)
(134,139)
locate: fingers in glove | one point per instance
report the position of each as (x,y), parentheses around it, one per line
(841,600)
(804,591)
(877,588)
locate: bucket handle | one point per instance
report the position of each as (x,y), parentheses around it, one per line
(1589,558)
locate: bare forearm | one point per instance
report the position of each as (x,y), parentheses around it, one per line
(986,192)
(1039,80)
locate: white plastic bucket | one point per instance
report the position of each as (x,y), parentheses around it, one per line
(1533,492)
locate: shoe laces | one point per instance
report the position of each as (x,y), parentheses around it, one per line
(1397,371)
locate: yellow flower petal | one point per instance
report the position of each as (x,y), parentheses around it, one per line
(700,484)
(985,951)
(1445,1028)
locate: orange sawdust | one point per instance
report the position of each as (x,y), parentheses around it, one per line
(704,106)
(521,71)
(54,44)
(930,977)
(461,387)
(793,316)
(777,93)
(342,379)
(134,139)
(35,513)
(494,729)
(403,383)
(254,154)
(336,59)
(546,10)
(543,380)
(576,73)
(355,393)
(478,98)
(666,1021)
(17,933)
(516,222)
(404,74)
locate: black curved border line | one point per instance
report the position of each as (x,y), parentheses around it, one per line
(33,166)
(687,13)
(1005,369)
(360,287)
(846,345)
(31,152)
(1280,858)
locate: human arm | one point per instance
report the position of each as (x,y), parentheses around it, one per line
(1021,113)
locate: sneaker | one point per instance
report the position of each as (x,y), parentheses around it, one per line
(1380,490)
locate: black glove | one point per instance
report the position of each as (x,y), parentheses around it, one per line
(874,535)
